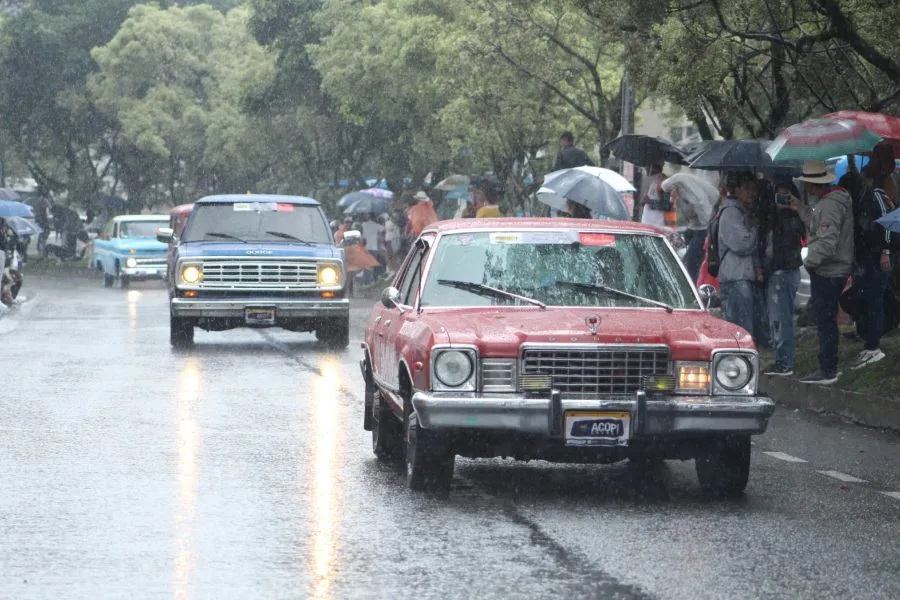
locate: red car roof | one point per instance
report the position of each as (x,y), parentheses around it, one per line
(539,223)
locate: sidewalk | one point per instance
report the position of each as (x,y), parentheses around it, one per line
(869,396)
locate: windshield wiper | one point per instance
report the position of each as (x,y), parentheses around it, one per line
(226,236)
(486,290)
(597,288)
(288,236)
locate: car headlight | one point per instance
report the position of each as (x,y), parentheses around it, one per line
(191,273)
(454,370)
(329,275)
(735,374)
(130,263)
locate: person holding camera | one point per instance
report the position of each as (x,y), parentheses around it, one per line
(781,263)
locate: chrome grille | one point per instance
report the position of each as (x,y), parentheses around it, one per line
(240,274)
(498,375)
(596,370)
(156,261)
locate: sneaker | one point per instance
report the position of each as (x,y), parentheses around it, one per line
(868,357)
(777,370)
(821,378)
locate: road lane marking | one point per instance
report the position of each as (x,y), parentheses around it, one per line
(842,477)
(894,495)
(785,457)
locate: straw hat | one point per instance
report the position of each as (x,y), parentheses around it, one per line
(815,171)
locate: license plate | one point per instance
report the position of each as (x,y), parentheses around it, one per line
(259,316)
(597,428)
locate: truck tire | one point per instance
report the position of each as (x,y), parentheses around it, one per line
(181,332)
(429,460)
(335,333)
(723,468)
(124,281)
(108,280)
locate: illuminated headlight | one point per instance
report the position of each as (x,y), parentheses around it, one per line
(454,370)
(191,273)
(693,377)
(130,263)
(329,275)
(735,374)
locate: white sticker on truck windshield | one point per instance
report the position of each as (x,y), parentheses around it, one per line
(256,206)
(242,206)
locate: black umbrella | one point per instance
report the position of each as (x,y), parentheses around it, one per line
(644,150)
(730,155)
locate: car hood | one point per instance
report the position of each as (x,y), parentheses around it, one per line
(690,335)
(141,245)
(256,250)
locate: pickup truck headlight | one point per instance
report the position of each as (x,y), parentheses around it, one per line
(191,273)
(329,275)
(130,263)
(735,373)
(453,369)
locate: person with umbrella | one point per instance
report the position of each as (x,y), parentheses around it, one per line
(569,155)
(738,256)
(489,209)
(654,211)
(879,172)
(829,261)
(697,200)
(783,243)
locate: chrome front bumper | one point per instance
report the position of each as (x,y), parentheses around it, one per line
(144,272)
(284,308)
(656,416)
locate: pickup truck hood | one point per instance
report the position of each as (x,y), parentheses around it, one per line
(140,245)
(690,335)
(257,250)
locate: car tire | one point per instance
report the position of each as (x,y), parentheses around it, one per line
(108,280)
(335,333)
(429,459)
(181,332)
(387,435)
(723,469)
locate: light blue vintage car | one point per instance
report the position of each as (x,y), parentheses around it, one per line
(127,249)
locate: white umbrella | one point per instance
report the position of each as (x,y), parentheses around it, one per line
(601,198)
(618,183)
(451,182)
(696,191)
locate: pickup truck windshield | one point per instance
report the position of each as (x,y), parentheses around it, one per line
(284,223)
(558,268)
(140,229)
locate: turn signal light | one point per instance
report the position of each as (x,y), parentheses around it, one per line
(659,383)
(328,294)
(191,293)
(693,378)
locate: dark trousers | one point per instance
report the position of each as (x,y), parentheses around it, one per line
(693,257)
(873,283)
(826,292)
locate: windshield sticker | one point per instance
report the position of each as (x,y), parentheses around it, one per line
(242,206)
(466,239)
(534,237)
(597,239)
(258,206)
(285,207)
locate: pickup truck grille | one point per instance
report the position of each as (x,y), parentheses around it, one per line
(596,371)
(239,274)
(156,261)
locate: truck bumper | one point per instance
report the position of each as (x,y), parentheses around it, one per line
(650,416)
(284,308)
(144,272)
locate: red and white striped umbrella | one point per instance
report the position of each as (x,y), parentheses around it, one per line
(886,126)
(821,139)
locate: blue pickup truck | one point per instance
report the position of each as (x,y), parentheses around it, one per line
(127,249)
(256,261)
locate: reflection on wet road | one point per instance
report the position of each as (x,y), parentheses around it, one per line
(239,469)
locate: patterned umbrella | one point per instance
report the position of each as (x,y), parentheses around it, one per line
(886,126)
(821,139)
(379,193)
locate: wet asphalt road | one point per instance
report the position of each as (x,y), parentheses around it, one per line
(240,469)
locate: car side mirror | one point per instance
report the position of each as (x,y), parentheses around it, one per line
(710,296)
(165,235)
(390,297)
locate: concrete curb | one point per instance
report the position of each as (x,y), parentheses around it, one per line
(864,409)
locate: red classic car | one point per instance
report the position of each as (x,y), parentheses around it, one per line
(556,339)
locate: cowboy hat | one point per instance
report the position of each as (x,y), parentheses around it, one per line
(815,171)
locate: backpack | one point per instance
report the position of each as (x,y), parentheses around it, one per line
(713,259)
(870,237)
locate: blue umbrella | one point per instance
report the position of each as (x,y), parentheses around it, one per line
(460,192)
(368,204)
(8,208)
(891,221)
